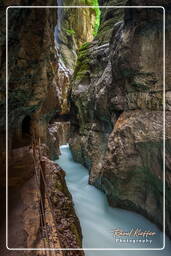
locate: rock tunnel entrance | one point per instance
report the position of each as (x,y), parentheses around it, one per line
(26,126)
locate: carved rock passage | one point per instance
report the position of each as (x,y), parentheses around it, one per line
(34,98)
(117,104)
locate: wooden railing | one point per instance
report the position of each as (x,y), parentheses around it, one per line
(44,191)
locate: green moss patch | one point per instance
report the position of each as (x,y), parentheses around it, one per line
(83,63)
(95,8)
(70,32)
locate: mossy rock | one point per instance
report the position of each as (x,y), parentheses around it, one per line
(82,69)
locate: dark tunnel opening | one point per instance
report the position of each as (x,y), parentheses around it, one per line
(26,126)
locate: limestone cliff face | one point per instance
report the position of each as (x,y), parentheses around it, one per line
(60,131)
(34,99)
(117,99)
(33,95)
(93,119)
(76,26)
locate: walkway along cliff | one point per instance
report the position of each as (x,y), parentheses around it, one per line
(40,208)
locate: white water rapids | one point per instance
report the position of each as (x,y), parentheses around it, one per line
(98,220)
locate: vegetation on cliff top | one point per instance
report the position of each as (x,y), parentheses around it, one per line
(93,3)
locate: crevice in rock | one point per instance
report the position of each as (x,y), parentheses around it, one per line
(118,113)
(26,126)
(61,118)
(39,84)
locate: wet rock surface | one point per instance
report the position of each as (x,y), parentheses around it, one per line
(38,88)
(116,112)
(67,223)
(60,131)
(132,169)
(117,102)
(77,26)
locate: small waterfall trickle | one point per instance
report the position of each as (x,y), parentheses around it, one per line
(58,25)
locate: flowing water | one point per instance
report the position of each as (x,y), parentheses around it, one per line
(98,220)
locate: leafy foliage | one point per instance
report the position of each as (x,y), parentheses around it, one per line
(94,3)
(70,32)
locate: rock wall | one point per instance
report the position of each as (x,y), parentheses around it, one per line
(34,98)
(76,26)
(60,131)
(117,102)
(67,224)
(92,117)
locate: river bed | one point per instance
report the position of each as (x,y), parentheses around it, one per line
(98,220)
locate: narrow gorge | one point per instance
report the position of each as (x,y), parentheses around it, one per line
(85,127)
